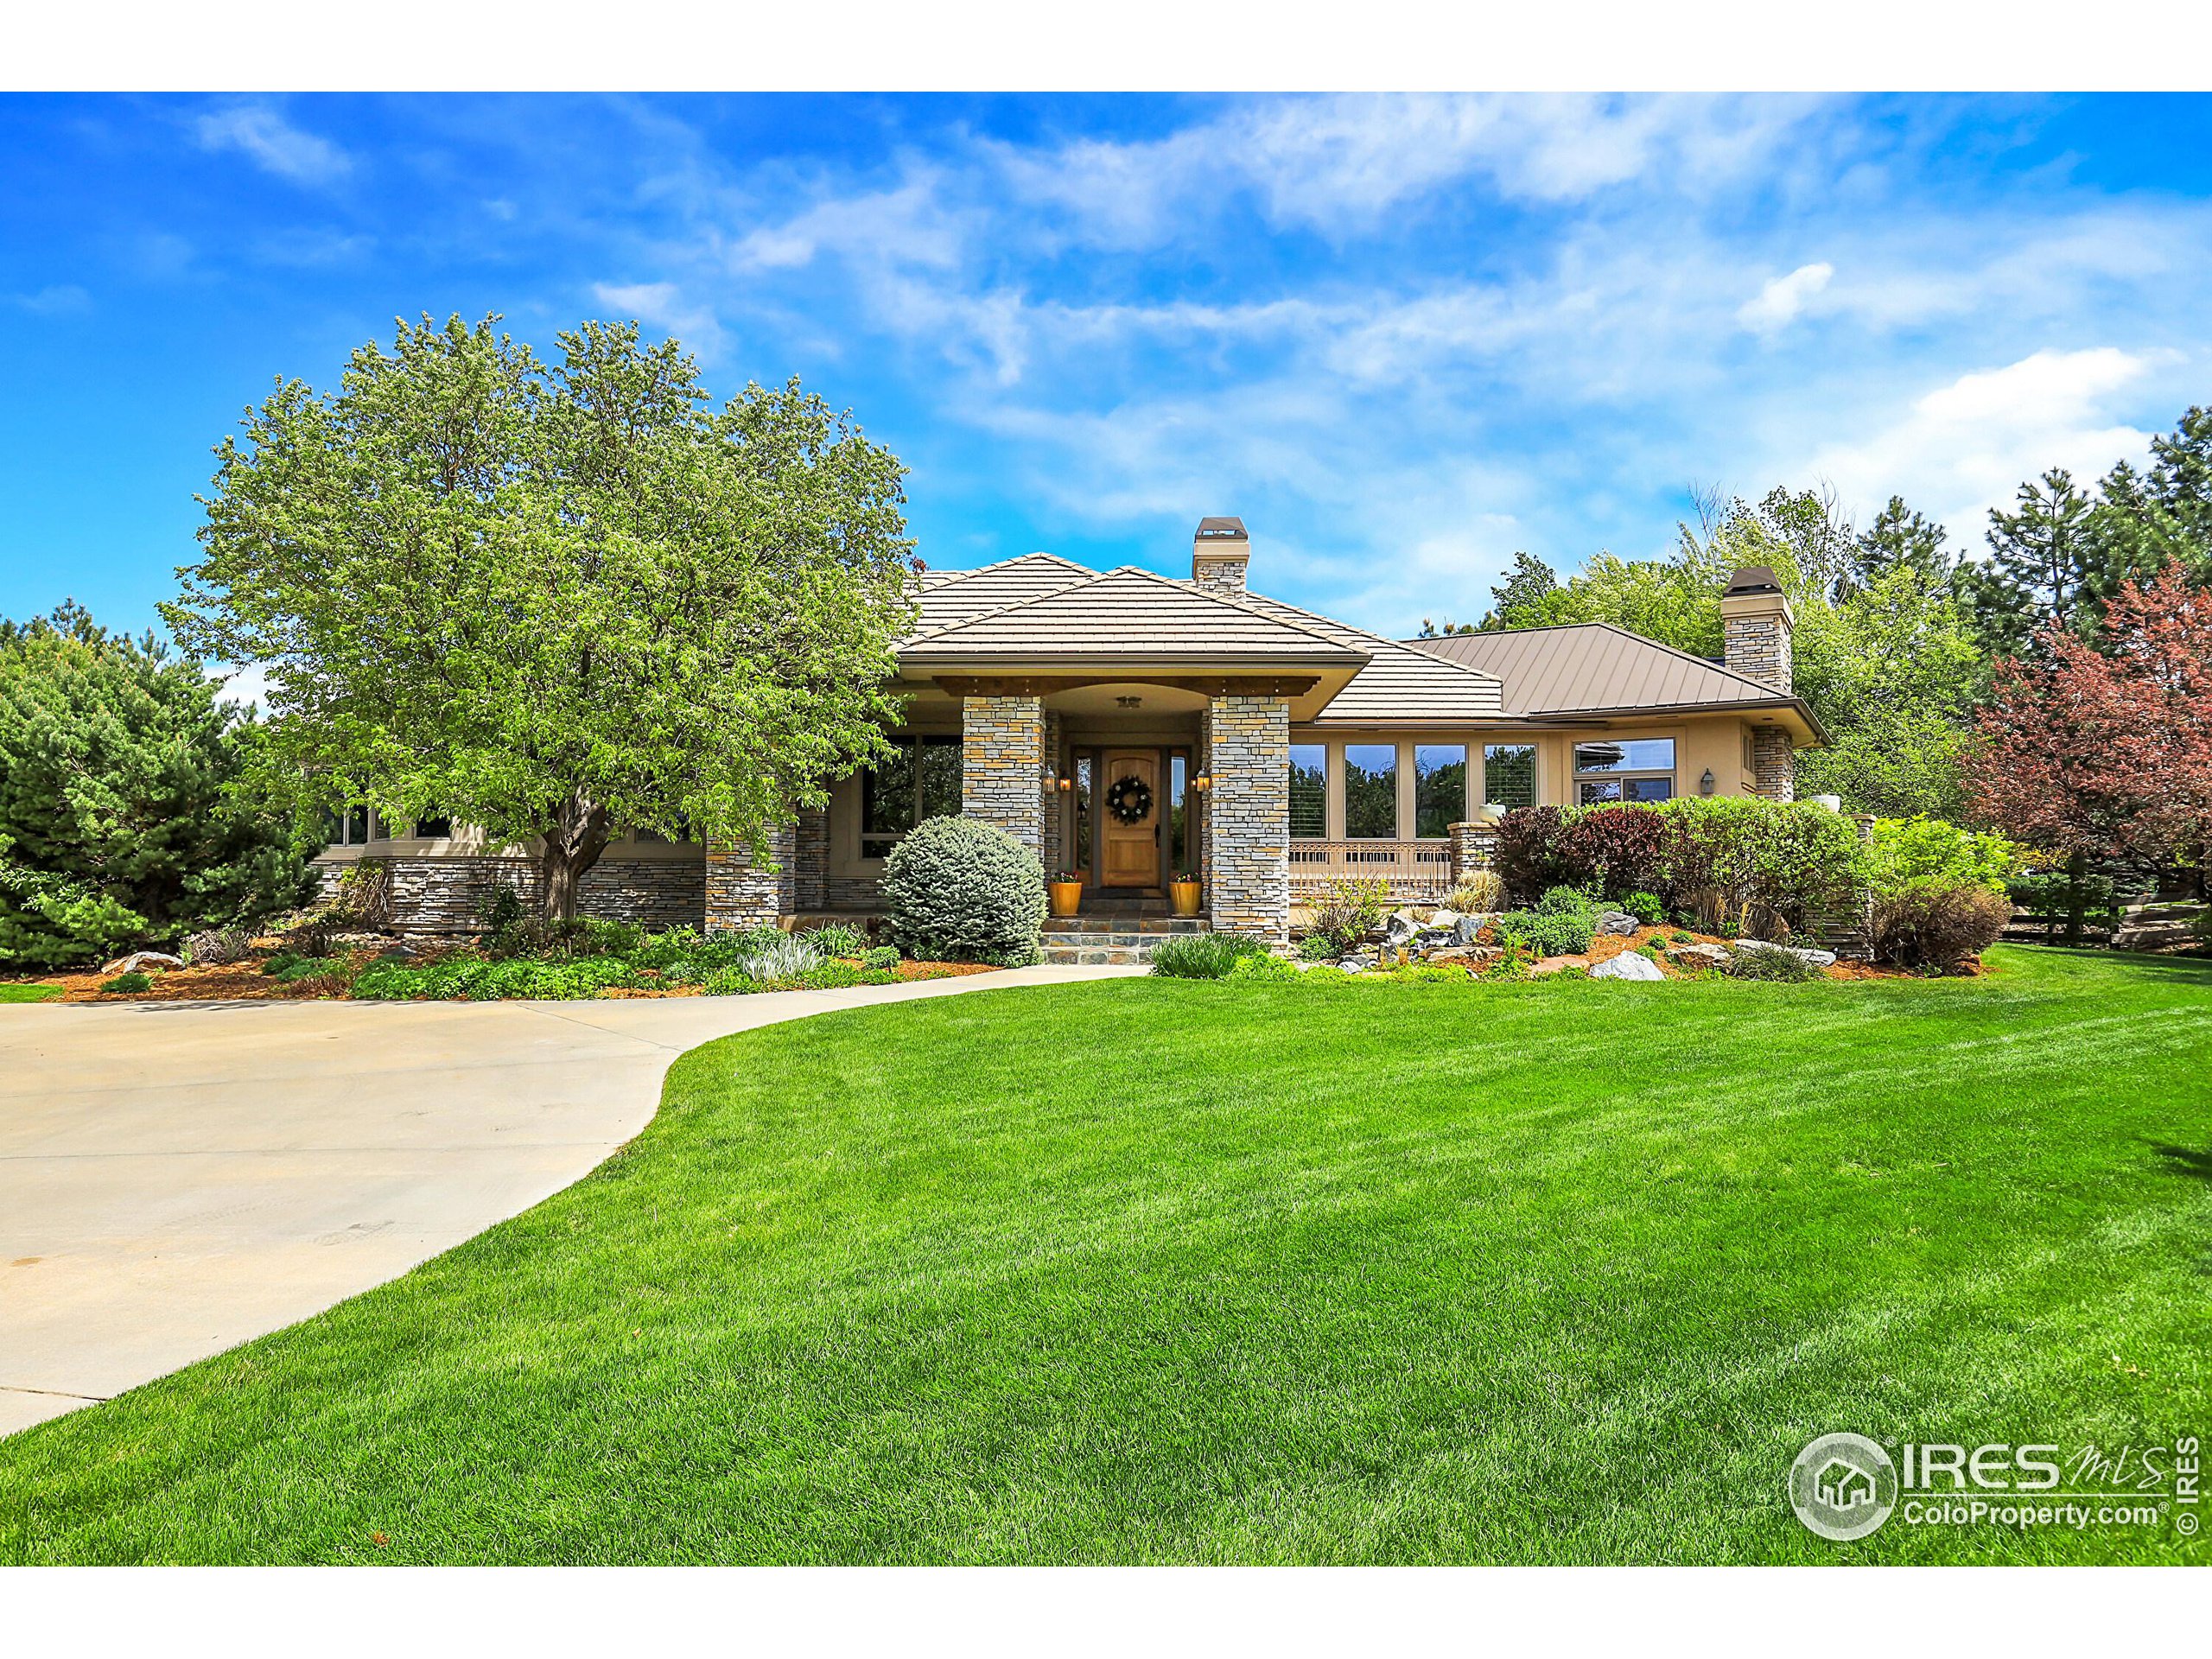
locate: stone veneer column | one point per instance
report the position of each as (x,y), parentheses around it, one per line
(810,859)
(1247,816)
(1471,849)
(1774,764)
(746,892)
(1002,760)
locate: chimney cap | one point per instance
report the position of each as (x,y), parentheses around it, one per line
(1222,530)
(1753,579)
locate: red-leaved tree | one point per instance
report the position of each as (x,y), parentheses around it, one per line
(2106,752)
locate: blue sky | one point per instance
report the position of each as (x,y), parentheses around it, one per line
(1401,337)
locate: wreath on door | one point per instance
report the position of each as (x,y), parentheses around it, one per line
(1129,800)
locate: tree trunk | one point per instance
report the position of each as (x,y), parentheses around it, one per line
(2077,872)
(573,841)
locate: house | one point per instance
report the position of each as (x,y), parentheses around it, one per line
(1130,726)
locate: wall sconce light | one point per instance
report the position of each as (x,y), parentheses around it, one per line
(1202,782)
(1067,783)
(1704,784)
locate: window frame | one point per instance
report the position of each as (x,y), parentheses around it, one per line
(1292,767)
(878,843)
(1396,776)
(1536,787)
(1587,779)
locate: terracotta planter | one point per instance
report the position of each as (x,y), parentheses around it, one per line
(1184,897)
(1066,896)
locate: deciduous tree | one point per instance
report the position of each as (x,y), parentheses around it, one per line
(557,599)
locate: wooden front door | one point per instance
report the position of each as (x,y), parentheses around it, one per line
(1129,852)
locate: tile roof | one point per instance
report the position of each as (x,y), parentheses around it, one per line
(950,596)
(1127,612)
(1593,668)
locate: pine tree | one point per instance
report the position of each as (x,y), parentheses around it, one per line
(2043,565)
(1902,539)
(122,820)
(1519,598)
(2180,485)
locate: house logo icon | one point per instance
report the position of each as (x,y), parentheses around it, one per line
(1843,1486)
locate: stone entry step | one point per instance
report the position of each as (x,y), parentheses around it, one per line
(1125,946)
(1111,924)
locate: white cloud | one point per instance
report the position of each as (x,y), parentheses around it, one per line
(56,300)
(248,685)
(1966,447)
(907,226)
(259,132)
(661,305)
(1782,299)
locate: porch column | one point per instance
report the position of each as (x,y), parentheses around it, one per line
(743,891)
(1002,765)
(1774,764)
(1247,816)
(1471,846)
(1050,800)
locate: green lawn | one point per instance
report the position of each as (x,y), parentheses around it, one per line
(28,993)
(1175,1271)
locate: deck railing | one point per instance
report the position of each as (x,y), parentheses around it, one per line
(1415,870)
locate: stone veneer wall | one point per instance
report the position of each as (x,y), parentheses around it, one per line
(810,859)
(1247,816)
(1219,575)
(1471,845)
(1002,764)
(1774,764)
(440,895)
(742,891)
(1758,648)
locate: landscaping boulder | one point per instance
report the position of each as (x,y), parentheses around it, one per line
(1817,958)
(1401,928)
(1629,965)
(1703,956)
(144,962)
(1465,930)
(1617,921)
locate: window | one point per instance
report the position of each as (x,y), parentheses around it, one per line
(1309,790)
(1751,753)
(1371,791)
(1439,787)
(348,826)
(1508,775)
(1083,824)
(1178,817)
(438,828)
(1625,769)
(921,779)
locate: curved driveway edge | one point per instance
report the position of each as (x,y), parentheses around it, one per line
(178,1178)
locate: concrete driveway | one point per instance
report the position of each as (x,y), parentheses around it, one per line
(178,1178)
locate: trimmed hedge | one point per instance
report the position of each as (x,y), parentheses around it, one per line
(956,890)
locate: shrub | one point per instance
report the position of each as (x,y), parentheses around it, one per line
(1562,925)
(1351,907)
(838,940)
(288,968)
(474,979)
(131,984)
(957,890)
(1478,893)
(1756,865)
(217,946)
(1645,907)
(882,958)
(1318,947)
(1262,964)
(1614,850)
(1783,967)
(1528,852)
(1937,924)
(1901,852)
(1203,956)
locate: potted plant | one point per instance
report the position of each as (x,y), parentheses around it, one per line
(1184,891)
(1066,889)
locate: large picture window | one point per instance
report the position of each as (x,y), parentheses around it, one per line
(921,779)
(1625,769)
(1371,791)
(1508,775)
(1309,790)
(1439,788)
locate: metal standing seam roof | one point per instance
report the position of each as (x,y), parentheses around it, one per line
(1594,667)
(1128,611)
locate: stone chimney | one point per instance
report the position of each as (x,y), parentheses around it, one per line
(1755,624)
(1219,553)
